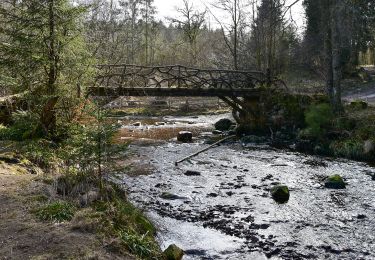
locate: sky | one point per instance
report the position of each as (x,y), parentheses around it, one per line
(167,8)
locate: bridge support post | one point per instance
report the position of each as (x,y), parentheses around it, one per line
(250,113)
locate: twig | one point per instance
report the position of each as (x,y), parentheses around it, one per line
(205,149)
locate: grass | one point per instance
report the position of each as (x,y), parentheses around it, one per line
(120,219)
(59,211)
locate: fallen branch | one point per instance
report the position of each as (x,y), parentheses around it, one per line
(205,149)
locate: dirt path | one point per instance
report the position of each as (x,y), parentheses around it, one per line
(22,236)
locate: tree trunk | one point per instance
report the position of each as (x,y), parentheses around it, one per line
(52,57)
(333,54)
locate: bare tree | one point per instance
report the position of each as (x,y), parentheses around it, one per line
(191,23)
(235,9)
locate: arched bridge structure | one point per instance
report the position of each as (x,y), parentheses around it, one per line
(175,80)
(242,90)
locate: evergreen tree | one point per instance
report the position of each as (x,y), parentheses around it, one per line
(271,37)
(42,52)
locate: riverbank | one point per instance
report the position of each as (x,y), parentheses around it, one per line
(47,215)
(24,236)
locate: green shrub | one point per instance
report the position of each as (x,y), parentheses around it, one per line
(24,127)
(318,119)
(56,212)
(351,149)
(136,232)
(39,151)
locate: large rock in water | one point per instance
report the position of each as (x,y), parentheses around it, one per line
(280,193)
(173,252)
(335,182)
(185,137)
(224,124)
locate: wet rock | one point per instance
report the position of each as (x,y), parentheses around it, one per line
(195,252)
(173,252)
(170,196)
(369,147)
(217,132)
(335,182)
(361,216)
(315,163)
(185,136)
(137,124)
(224,124)
(192,173)
(253,139)
(280,193)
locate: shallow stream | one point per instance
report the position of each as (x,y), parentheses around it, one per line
(219,205)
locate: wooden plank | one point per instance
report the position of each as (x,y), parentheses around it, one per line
(205,149)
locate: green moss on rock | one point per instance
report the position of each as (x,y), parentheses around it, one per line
(335,182)
(173,252)
(280,193)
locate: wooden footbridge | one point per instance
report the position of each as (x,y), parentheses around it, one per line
(176,80)
(241,90)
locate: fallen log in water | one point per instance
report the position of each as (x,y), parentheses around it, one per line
(205,149)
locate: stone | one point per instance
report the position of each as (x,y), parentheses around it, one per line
(224,124)
(170,196)
(185,137)
(217,132)
(335,182)
(192,173)
(361,216)
(137,124)
(280,193)
(369,147)
(173,252)
(160,123)
(359,104)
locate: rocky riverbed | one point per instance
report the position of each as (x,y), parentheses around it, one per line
(218,205)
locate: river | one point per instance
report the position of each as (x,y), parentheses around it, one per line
(217,205)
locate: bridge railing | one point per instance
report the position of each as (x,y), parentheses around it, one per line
(176,76)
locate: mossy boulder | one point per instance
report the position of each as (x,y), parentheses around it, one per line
(224,124)
(173,252)
(280,193)
(335,182)
(358,105)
